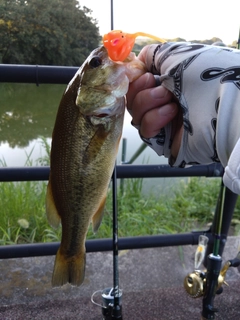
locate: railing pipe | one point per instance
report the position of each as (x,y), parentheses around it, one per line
(123,171)
(127,243)
(36,74)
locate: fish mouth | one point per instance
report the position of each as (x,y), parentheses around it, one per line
(110,108)
(101,115)
(106,111)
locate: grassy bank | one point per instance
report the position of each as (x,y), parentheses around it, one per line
(190,206)
(23,218)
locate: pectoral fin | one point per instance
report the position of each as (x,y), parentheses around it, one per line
(94,147)
(97,218)
(52,214)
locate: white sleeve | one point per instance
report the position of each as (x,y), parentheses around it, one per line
(231,177)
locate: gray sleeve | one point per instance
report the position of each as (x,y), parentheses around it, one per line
(199,76)
(164,60)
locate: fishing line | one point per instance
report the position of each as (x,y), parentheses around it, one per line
(238,42)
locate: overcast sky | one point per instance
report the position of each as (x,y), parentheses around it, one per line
(188,19)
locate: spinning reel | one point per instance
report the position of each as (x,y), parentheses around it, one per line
(195,282)
(207,283)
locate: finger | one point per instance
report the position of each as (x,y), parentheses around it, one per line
(156,119)
(147,100)
(145,81)
(143,53)
(146,55)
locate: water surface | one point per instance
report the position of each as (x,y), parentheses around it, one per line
(27,113)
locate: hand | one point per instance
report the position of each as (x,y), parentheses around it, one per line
(153,107)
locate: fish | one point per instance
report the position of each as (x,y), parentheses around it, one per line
(85,140)
(119,44)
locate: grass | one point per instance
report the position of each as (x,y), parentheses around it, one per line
(190,206)
(179,212)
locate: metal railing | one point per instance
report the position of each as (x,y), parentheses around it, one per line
(36,74)
(62,75)
(122,171)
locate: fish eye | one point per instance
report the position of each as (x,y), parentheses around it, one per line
(95,62)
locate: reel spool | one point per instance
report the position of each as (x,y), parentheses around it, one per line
(194,283)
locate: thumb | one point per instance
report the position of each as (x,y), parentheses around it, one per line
(147,55)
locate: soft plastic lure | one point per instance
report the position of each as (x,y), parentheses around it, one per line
(119,44)
(201,249)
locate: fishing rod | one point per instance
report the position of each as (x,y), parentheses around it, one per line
(117,310)
(208,283)
(238,42)
(112,297)
(214,263)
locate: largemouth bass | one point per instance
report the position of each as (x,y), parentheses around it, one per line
(84,147)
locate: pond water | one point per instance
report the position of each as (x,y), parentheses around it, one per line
(27,113)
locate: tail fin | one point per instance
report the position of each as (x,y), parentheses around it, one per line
(69,269)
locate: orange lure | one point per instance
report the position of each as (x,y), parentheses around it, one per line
(119,44)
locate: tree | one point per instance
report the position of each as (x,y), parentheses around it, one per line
(53,32)
(234,44)
(208,41)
